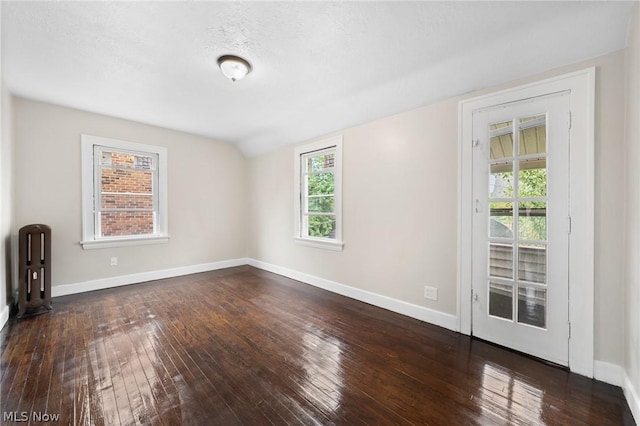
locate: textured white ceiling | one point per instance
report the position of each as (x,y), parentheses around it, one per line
(317,67)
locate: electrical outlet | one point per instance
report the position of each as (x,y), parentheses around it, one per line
(114,261)
(430,293)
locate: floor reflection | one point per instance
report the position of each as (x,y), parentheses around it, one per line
(138,372)
(508,397)
(323,366)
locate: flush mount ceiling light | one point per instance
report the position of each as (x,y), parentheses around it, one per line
(234,67)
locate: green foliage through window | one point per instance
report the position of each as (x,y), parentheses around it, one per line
(319,195)
(532,222)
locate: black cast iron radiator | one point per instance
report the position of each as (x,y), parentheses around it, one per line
(34,287)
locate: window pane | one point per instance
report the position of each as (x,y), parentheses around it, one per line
(320,204)
(533,178)
(532,303)
(127,201)
(532,221)
(501,300)
(501,141)
(532,263)
(126,160)
(533,135)
(143,162)
(320,162)
(501,220)
(105,158)
(126,181)
(501,260)
(320,184)
(501,180)
(126,223)
(322,226)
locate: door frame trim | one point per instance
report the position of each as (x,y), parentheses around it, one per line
(581,84)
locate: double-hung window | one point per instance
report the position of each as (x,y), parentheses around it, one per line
(123,193)
(318,195)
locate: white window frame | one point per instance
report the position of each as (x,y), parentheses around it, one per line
(90,235)
(300,237)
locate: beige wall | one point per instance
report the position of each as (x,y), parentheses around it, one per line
(632,278)
(609,213)
(6,197)
(399,204)
(206,193)
(401,201)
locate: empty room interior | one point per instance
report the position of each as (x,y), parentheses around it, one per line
(320,213)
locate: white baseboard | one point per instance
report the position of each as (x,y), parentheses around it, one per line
(633,398)
(4,316)
(616,375)
(414,311)
(66,289)
(608,373)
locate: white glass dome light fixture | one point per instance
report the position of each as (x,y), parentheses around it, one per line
(234,67)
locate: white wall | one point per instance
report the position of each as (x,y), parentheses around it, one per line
(207,193)
(632,277)
(400,207)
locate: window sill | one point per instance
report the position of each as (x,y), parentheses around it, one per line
(123,242)
(318,243)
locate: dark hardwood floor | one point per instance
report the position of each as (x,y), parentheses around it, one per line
(244,346)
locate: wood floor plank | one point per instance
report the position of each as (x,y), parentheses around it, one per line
(48,343)
(244,346)
(68,385)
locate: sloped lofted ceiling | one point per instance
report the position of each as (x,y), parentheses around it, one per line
(317,67)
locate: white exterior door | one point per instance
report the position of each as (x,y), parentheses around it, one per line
(521,226)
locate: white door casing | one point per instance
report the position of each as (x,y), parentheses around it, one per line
(581,93)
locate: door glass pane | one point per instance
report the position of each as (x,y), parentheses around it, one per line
(501,220)
(532,179)
(501,180)
(501,139)
(532,220)
(532,303)
(533,135)
(501,260)
(532,263)
(501,300)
